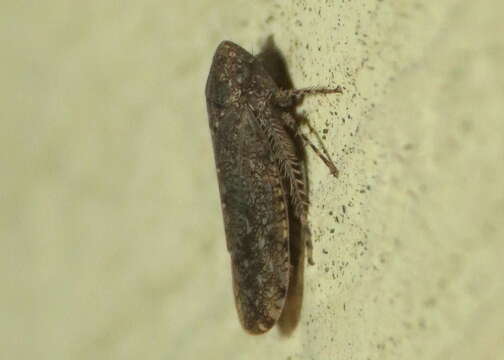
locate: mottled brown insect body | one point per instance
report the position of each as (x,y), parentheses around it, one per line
(258,172)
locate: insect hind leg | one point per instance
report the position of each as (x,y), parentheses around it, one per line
(291,124)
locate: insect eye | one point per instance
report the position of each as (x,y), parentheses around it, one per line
(242,75)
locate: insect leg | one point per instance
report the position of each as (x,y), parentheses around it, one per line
(291,123)
(308,241)
(290,97)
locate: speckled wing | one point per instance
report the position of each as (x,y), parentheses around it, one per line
(255,217)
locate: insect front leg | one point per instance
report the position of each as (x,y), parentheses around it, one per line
(291,97)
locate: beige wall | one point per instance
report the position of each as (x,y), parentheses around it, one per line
(110,227)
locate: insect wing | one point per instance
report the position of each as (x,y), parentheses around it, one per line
(255,219)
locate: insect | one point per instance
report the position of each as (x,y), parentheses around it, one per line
(260,179)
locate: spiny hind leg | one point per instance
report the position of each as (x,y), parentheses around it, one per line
(291,124)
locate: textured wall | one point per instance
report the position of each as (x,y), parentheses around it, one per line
(110,226)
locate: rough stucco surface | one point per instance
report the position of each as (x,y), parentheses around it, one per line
(110,225)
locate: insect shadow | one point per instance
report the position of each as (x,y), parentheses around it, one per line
(274,62)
